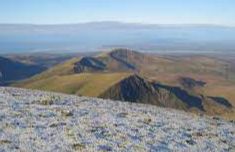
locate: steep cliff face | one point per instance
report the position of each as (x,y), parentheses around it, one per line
(133,89)
(139,90)
(191,101)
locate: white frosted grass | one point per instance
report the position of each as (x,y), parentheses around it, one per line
(44,121)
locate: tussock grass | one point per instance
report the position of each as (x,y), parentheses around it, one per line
(85,84)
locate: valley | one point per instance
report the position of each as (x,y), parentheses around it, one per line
(194,83)
(117,75)
(17,67)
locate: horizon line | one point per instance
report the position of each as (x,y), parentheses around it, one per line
(122,22)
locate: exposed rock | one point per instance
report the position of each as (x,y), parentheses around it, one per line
(132,89)
(124,56)
(184,96)
(88,64)
(137,89)
(190,83)
(116,60)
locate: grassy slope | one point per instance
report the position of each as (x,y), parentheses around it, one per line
(86,84)
(209,70)
(166,70)
(61,78)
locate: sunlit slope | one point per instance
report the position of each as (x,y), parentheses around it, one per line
(166,69)
(58,70)
(85,84)
(219,80)
(180,82)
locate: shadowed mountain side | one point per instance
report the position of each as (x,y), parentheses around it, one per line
(115,61)
(189,83)
(109,75)
(125,57)
(139,90)
(184,96)
(222,101)
(136,89)
(133,60)
(133,89)
(12,70)
(87,64)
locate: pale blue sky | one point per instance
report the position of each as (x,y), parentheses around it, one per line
(220,12)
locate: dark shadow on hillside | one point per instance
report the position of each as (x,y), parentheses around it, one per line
(11,70)
(130,66)
(190,100)
(190,83)
(222,101)
(89,63)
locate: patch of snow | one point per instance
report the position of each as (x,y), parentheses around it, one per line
(44,121)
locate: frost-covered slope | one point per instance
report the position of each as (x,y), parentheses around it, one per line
(40,121)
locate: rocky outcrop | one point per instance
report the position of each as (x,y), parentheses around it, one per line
(116,60)
(89,64)
(125,57)
(191,101)
(221,101)
(132,89)
(139,90)
(190,83)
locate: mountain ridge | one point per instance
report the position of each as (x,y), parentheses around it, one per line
(127,75)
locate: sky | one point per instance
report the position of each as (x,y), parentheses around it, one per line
(219,12)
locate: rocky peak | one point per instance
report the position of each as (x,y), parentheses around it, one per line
(89,64)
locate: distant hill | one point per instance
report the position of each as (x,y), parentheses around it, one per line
(115,61)
(43,59)
(128,75)
(11,71)
(21,66)
(139,90)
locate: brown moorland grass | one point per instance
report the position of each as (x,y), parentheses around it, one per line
(85,84)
